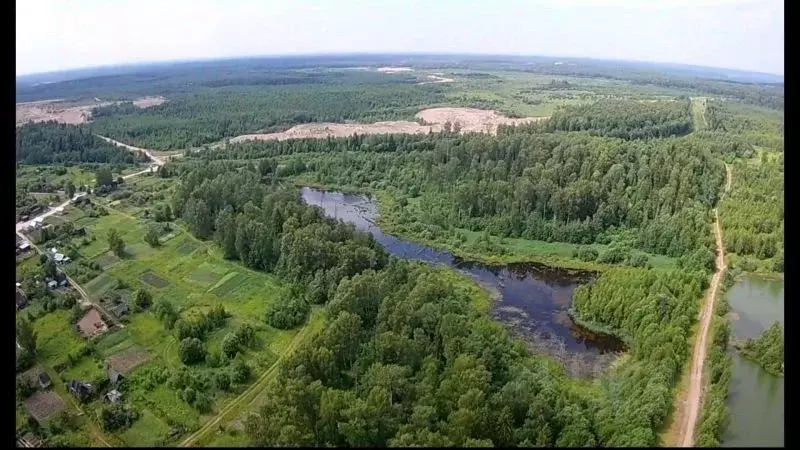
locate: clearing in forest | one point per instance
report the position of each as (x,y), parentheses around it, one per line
(73,113)
(469,119)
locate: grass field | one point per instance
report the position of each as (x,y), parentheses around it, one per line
(56,337)
(146,431)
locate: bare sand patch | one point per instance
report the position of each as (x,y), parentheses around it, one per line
(395,69)
(437,79)
(432,120)
(73,113)
(147,102)
(472,119)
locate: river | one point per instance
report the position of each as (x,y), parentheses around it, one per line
(755,399)
(532,299)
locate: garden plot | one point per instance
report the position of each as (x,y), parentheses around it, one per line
(107,260)
(100,285)
(188,246)
(154,280)
(228,284)
(43,405)
(127,360)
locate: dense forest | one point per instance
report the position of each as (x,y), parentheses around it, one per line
(551,187)
(767,349)
(207,116)
(752,213)
(757,126)
(625,119)
(405,359)
(53,143)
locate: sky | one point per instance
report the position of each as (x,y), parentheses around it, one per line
(735,34)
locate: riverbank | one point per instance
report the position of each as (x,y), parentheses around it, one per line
(755,399)
(504,251)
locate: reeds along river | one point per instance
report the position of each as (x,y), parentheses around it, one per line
(755,399)
(532,300)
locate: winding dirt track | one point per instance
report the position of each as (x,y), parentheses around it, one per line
(693,401)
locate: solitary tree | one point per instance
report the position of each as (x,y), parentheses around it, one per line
(115,242)
(26,337)
(70,188)
(151,237)
(143,299)
(103,176)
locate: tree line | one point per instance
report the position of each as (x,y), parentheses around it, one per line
(55,143)
(624,119)
(209,115)
(552,187)
(752,213)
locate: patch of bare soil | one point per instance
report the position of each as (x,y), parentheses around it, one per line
(469,119)
(395,69)
(437,79)
(73,113)
(58,110)
(147,102)
(43,404)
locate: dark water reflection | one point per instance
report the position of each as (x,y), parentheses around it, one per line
(533,299)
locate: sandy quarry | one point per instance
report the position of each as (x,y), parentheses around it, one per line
(470,119)
(395,69)
(69,112)
(437,79)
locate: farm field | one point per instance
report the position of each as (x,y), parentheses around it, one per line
(194,278)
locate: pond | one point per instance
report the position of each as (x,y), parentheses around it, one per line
(532,300)
(755,399)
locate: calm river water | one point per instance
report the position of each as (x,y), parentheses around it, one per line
(756,398)
(533,299)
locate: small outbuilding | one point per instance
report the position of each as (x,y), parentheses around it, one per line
(44,380)
(31,440)
(80,389)
(113,396)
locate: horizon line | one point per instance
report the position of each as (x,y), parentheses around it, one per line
(408,53)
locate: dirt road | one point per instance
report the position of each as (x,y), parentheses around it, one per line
(156,160)
(251,392)
(693,401)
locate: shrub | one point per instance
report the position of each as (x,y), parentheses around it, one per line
(287,312)
(638,260)
(117,416)
(613,255)
(586,254)
(240,371)
(222,380)
(192,350)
